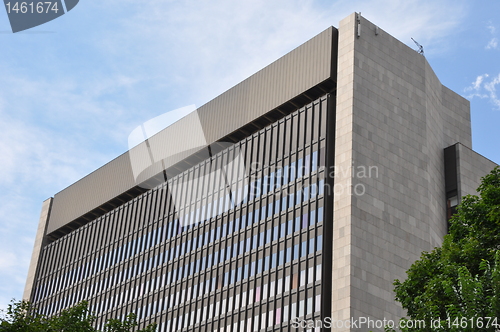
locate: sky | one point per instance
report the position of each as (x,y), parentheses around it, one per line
(73,89)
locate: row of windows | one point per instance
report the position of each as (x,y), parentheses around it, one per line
(246,271)
(156,236)
(288,198)
(259,322)
(240,192)
(253,296)
(159,235)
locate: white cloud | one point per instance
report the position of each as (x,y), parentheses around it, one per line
(491,88)
(493,44)
(484,88)
(476,87)
(479,80)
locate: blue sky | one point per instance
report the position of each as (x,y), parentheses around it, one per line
(72,90)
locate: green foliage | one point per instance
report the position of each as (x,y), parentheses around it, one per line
(74,319)
(115,325)
(23,317)
(458,284)
(17,317)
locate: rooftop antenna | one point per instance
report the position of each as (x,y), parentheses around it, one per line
(420,47)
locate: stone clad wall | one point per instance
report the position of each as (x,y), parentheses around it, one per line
(392,114)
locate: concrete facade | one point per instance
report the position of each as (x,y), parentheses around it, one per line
(471,167)
(393,115)
(39,242)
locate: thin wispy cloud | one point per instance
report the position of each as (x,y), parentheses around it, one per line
(485,87)
(475,90)
(491,87)
(423,20)
(227,41)
(51,132)
(15,247)
(493,43)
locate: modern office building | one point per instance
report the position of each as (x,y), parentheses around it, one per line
(303,191)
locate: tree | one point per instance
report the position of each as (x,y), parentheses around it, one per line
(22,316)
(16,318)
(115,325)
(456,287)
(74,319)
